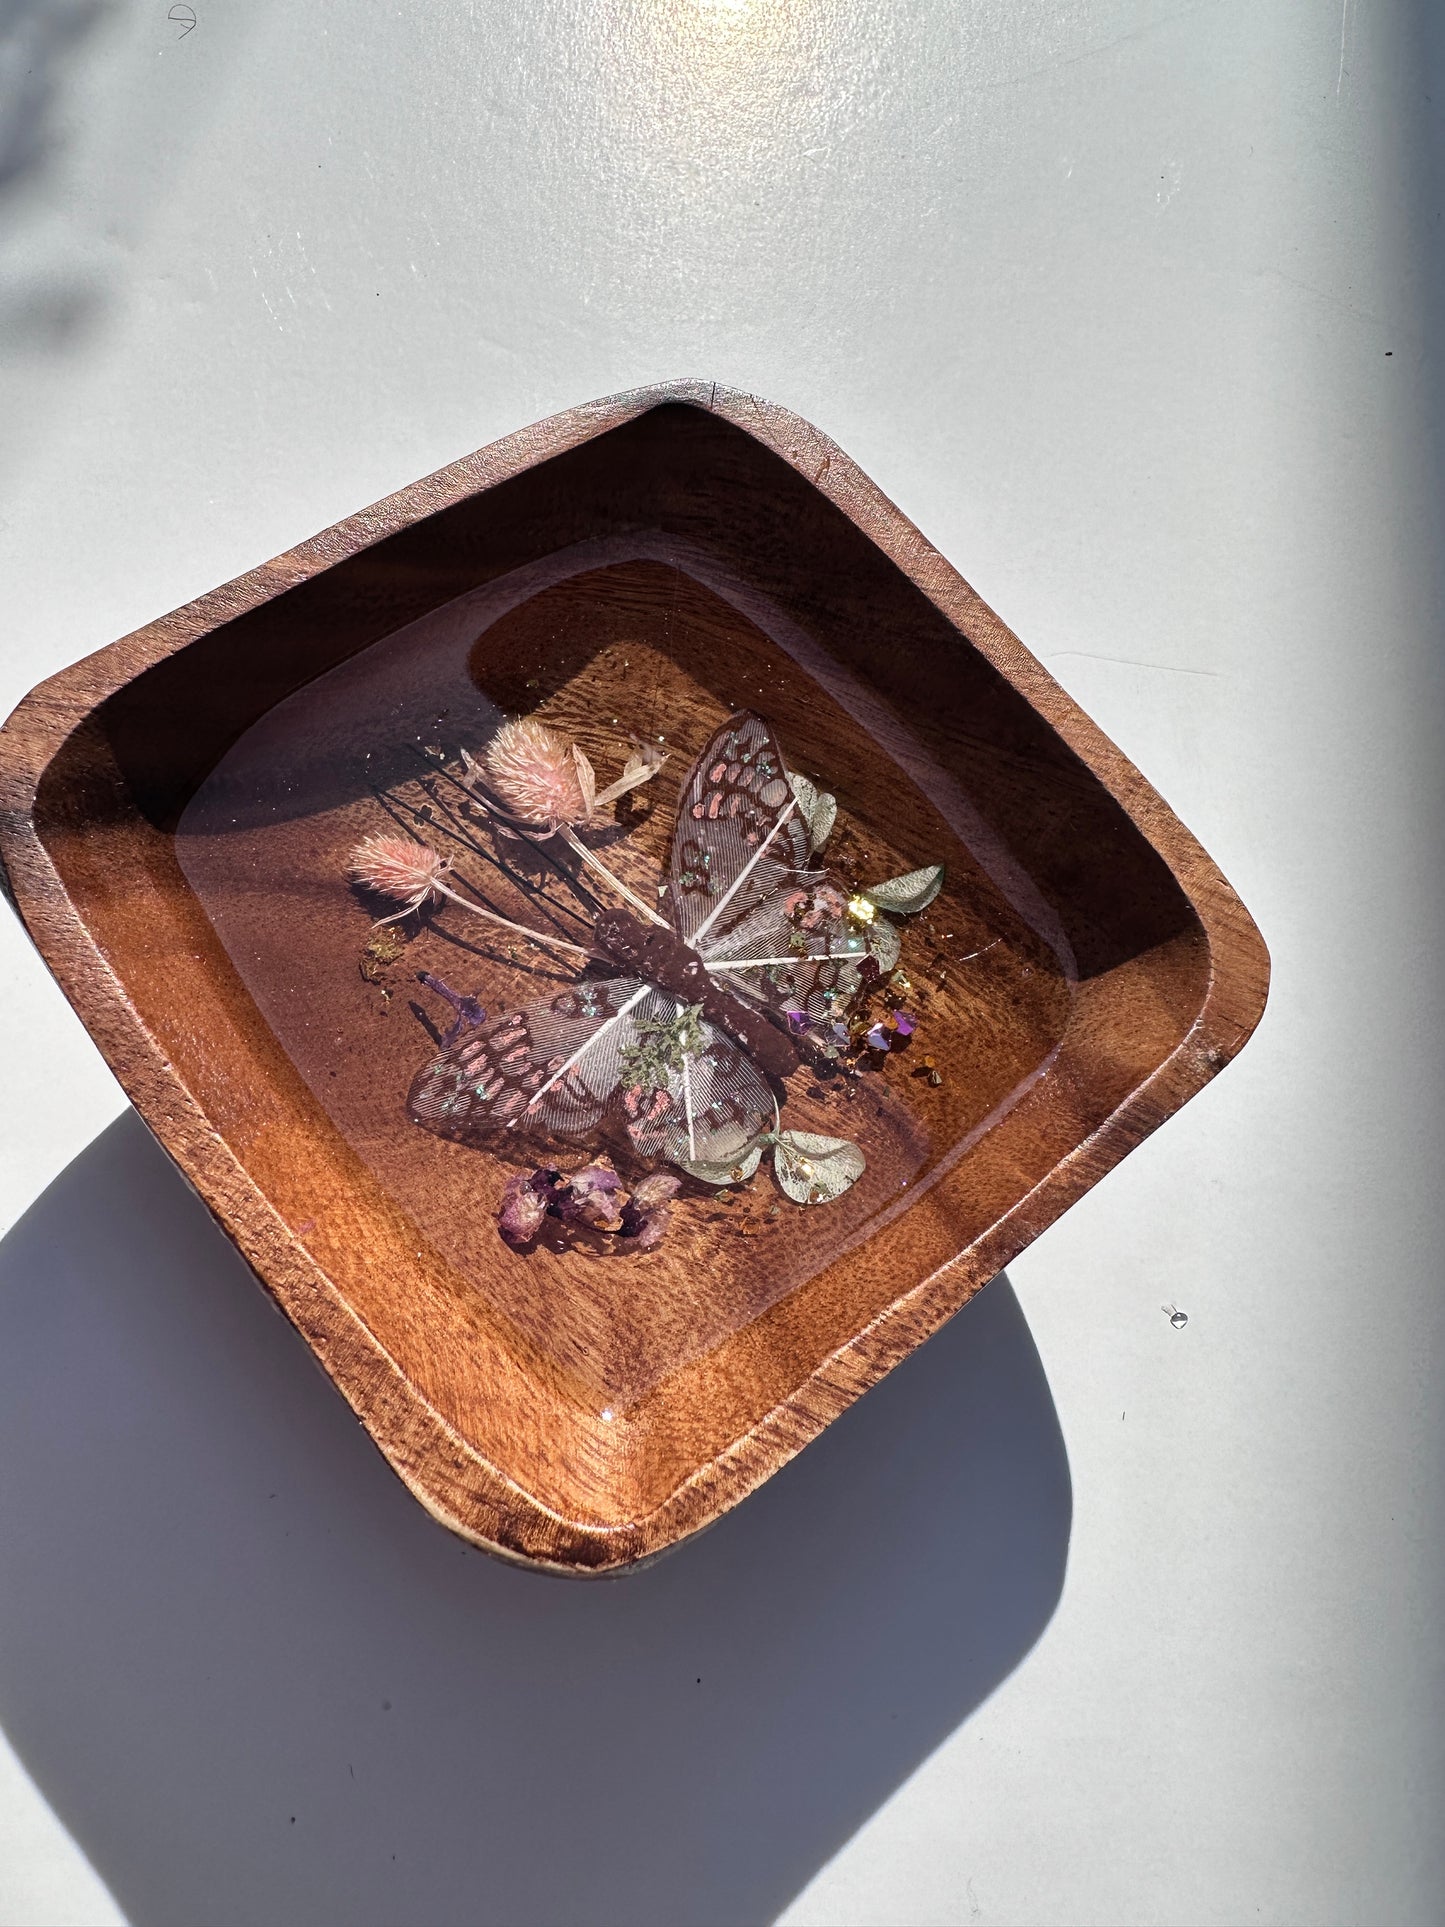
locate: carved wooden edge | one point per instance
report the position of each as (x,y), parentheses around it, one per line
(455,1483)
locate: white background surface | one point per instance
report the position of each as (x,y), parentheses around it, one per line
(1130,306)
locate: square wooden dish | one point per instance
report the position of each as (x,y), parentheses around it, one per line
(177,810)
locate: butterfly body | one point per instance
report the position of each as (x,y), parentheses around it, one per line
(662,958)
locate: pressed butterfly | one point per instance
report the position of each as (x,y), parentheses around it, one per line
(755,942)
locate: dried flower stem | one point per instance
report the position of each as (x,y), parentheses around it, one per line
(471,788)
(520,929)
(531,834)
(595,864)
(548,784)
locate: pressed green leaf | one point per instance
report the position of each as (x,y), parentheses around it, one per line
(905,896)
(815,1170)
(884,943)
(730,1171)
(817,808)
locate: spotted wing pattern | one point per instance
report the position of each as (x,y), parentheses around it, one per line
(739,834)
(783,938)
(713,1105)
(545,1070)
(809,952)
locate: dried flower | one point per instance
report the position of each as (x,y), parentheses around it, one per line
(652,1229)
(467,1012)
(525,1199)
(539,775)
(645,1217)
(656,1190)
(399,869)
(545,780)
(586,1203)
(591,1197)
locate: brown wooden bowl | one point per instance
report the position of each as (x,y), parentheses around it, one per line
(176,815)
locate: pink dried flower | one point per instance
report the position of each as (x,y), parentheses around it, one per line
(400,869)
(539,775)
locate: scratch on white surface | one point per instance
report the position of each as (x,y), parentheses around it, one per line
(1398,330)
(1344,28)
(1130,662)
(1106,47)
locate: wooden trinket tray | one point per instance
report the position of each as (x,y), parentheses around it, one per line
(177,815)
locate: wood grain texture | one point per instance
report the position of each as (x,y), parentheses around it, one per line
(661,557)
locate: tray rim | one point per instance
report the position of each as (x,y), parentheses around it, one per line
(414,1437)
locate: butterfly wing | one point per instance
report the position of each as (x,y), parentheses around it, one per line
(739,832)
(709,1108)
(546,1070)
(800,950)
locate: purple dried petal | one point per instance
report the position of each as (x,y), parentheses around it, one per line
(905,1024)
(590,1196)
(655,1190)
(594,1180)
(652,1229)
(469,1012)
(798,1021)
(877,1038)
(523,1207)
(841,1033)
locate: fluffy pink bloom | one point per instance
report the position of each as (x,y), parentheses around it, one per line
(539,775)
(399,869)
